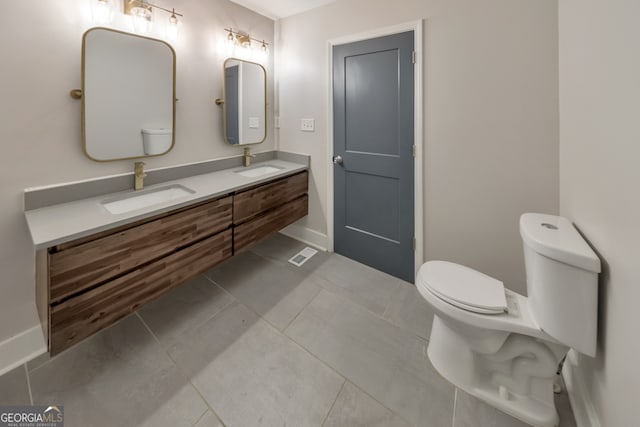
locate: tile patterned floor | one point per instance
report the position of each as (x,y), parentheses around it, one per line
(257,341)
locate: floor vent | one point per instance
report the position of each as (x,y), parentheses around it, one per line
(302,256)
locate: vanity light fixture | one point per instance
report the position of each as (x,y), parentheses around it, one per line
(239,44)
(142,14)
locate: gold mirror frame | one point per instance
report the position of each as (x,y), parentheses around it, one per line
(223,102)
(82,95)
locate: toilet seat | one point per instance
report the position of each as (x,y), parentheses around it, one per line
(464,287)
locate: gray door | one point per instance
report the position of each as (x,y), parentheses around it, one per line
(232,123)
(373,153)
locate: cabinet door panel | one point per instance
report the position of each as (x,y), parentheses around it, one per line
(80,267)
(245,235)
(85,314)
(250,203)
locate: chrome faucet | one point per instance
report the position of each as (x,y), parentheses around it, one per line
(246,160)
(139,176)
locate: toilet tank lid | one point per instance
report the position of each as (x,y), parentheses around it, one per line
(556,238)
(157,131)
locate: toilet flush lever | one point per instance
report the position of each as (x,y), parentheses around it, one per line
(337,160)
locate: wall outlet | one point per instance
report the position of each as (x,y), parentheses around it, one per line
(308,125)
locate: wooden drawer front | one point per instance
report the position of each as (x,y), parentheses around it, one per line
(85,314)
(255,201)
(258,228)
(82,266)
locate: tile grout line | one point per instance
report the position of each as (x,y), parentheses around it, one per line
(345,298)
(355,302)
(314,273)
(281,263)
(299,346)
(220,309)
(361,307)
(455,402)
(245,306)
(166,352)
(303,348)
(277,263)
(326,417)
(287,337)
(320,288)
(278,331)
(199,419)
(397,324)
(219,286)
(393,294)
(363,391)
(26,371)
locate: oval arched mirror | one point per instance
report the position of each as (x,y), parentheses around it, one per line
(244,104)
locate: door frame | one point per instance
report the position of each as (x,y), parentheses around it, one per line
(418,228)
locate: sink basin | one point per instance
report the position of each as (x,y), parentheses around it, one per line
(143,199)
(258,171)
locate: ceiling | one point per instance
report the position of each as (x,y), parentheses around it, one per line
(276,9)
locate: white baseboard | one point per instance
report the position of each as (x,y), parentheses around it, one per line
(306,235)
(583,409)
(21,348)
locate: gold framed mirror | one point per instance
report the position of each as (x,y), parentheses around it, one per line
(128,95)
(244,103)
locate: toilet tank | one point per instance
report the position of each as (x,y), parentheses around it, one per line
(562,280)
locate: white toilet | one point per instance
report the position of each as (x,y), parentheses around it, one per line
(505,348)
(156,141)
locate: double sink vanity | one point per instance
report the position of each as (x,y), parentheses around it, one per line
(101,258)
(104,249)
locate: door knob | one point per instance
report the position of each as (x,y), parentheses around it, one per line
(337,160)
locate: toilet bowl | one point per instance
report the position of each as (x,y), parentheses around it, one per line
(505,348)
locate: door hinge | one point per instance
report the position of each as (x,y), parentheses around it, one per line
(414,244)
(414,151)
(413,57)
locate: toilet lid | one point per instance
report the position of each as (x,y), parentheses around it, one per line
(464,287)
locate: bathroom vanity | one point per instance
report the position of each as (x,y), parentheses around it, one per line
(104,250)
(89,279)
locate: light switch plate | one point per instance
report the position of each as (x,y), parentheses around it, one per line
(308,125)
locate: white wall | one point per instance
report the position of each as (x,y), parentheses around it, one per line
(490,116)
(252,103)
(599,185)
(40,123)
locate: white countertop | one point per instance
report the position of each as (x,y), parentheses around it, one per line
(53,225)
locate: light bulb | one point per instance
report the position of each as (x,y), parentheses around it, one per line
(172,29)
(244,51)
(229,44)
(102,12)
(141,19)
(262,54)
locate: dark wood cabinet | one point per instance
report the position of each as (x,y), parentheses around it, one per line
(258,200)
(86,285)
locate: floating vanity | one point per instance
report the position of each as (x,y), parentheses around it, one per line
(101,258)
(102,249)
